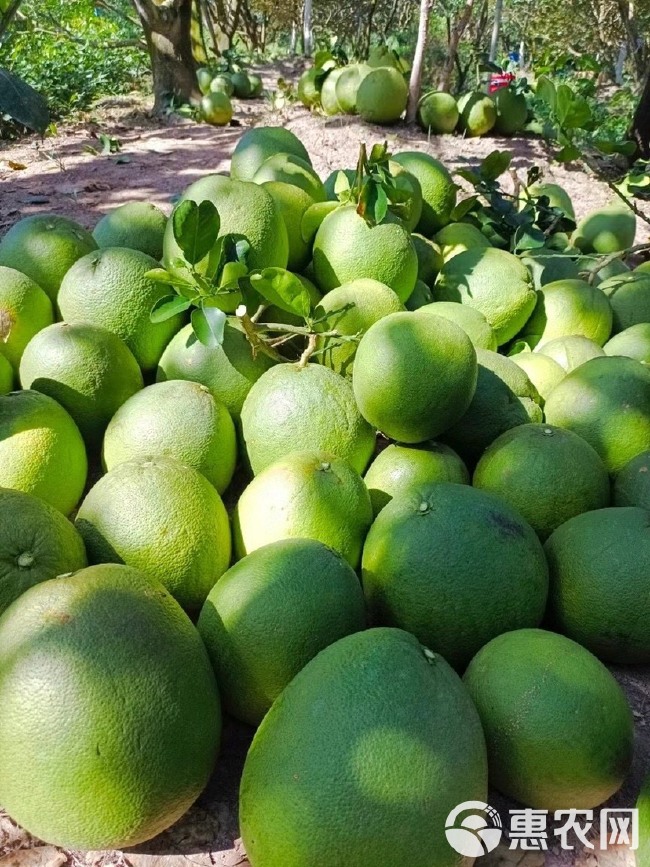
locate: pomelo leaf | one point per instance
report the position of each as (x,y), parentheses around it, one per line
(608,146)
(169,306)
(22,103)
(196,228)
(463,208)
(208,324)
(495,164)
(546,90)
(284,289)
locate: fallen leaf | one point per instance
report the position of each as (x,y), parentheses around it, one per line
(18,167)
(97,186)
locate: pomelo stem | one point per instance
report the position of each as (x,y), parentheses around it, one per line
(311,346)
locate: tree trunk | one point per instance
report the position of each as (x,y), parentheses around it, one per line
(166,25)
(307,32)
(7,16)
(418,61)
(640,130)
(496,29)
(457,31)
(294,39)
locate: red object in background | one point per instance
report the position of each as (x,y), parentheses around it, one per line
(501,79)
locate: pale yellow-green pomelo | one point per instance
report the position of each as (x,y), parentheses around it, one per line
(548,266)
(414,375)
(305,494)
(419,297)
(438,113)
(629,297)
(309,85)
(328,98)
(6,376)
(109,288)
(382,96)
(216,108)
(558,726)
(41,450)
(477,113)
(473,323)
(632,483)
(511,111)
(36,543)
(566,308)
(429,258)
(347,86)
(570,352)
(493,281)
(350,310)
(88,370)
(163,518)
(259,143)
(311,408)
(606,231)
(223,82)
(244,209)
(607,402)
(375,727)
(229,370)
(429,567)
(399,469)
(438,189)
(542,370)
(290,169)
(139,225)
(177,419)
(292,203)
(634,342)
(504,398)
(455,238)
(548,474)
(273,612)
(557,196)
(118,737)
(24,310)
(598,564)
(44,247)
(347,248)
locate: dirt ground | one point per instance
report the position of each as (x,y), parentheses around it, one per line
(155,163)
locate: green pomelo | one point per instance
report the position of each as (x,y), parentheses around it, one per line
(473,323)
(224,83)
(292,203)
(44,247)
(544,372)
(429,259)
(6,376)
(378,728)
(629,297)
(607,402)
(309,85)
(566,308)
(438,189)
(259,143)
(382,96)
(163,518)
(110,288)
(347,86)
(350,310)
(549,266)
(615,268)
(419,297)
(328,98)
(414,375)
(290,169)
(41,450)
(438,113)
(138,225)
(273,612)
(455,238)
(598,597)
(88,370)
(310,408)
(36,543)
(606,231)
(176,419)
(242,85)
(430,567)
(548,474)
(309,495)
(632,483)
(570,352)
(558,727)
(256,84)
(25,309)
(511,111)
(493,281)
(229,370)
(216,108)
(477,114)
(117,738)
(398,470)
(557,196)
(347,248)
(407,183)
(634,342)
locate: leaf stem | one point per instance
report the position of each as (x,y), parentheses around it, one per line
(311,346)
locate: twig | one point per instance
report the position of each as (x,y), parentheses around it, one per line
(311,346)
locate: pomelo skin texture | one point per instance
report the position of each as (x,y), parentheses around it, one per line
(362,758)
(634,342)
(414,375)
(454,566)
(163,518)
(110,719)
(311,495)
(257,144)
(139,225)
(382,96)
(6,376)
(570,352)
(568,307)
(438,189)
(291,408)
(36,543)
(629,297)
(632,483)
(558,727)
(473,323)
(599,573)
(24,310)
(41,450)
(270,614)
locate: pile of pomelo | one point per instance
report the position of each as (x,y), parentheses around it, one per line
(218,87)
(441,470)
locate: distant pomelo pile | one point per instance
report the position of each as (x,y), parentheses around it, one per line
(368,445)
